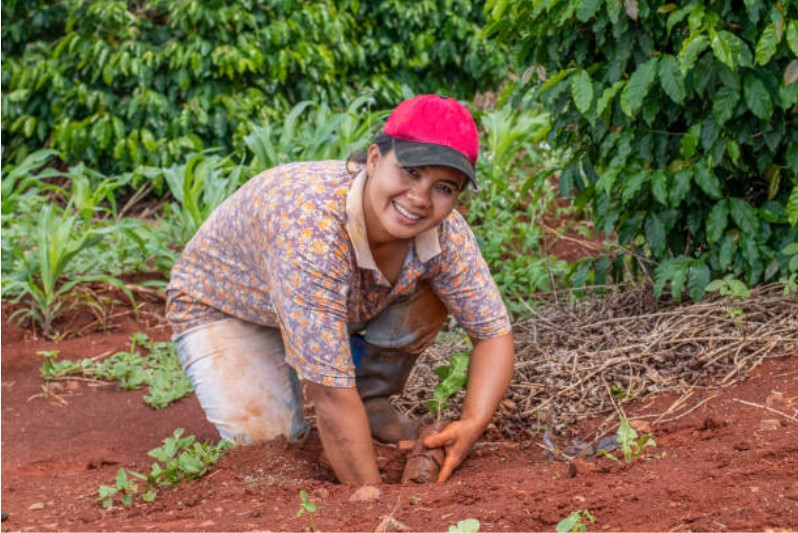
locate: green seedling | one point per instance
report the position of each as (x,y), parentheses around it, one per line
(179,459)
(453,378)
(309,508)
(123,489)
(159,370)
(630,444)
(576,521)
(733,290)
(469,525)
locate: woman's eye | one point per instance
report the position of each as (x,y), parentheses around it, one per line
(411,170)
(447,190)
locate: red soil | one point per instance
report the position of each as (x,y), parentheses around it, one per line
(727,465)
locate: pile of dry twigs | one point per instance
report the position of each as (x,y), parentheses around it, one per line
(581,358)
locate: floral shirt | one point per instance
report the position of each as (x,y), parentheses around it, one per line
(288,250)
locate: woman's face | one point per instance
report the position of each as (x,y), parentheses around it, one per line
(402,202)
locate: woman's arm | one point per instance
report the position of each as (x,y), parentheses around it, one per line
(489,374)
(345,434)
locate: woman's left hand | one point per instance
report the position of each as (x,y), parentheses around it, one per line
(489,374)
(456,440)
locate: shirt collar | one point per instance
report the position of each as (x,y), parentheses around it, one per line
(427,244)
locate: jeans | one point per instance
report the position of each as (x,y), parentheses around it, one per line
(250,394)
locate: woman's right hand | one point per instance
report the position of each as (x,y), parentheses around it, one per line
(345,434)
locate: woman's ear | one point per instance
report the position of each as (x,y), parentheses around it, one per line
(372,157)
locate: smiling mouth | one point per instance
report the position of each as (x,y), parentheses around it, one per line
(405,213)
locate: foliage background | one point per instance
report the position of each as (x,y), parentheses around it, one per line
(116,84)
(677,124)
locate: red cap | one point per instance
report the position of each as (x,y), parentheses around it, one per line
(434,130)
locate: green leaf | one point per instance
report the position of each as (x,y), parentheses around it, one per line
(757,97)
(792,36)
(721,48)
(681,187)
(655,234)
(633,183)
(717,220)
(792,206)
(690,141)
(659,186)
(726,251)
(691,49)
(744,216)
(671,79)
(607,95)
(638,86)
(706,179)
(582,91)
(697,279)
(587,9)
(724,104)
(766,47)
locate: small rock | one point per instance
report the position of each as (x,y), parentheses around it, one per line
(742,446)
(643,426)
(579,466)
(366,493)
(36,506)
(321,493)
(207,523)
(770,424)
(509,405)
(774,399)
(711,422)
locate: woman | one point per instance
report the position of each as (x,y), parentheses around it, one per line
(338,276)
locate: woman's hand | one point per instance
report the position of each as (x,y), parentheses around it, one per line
(489,374)
(456,440)
(345,434)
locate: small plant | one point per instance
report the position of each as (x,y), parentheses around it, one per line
(307,507)
(469,525)
(453,378)
(159,370)
(123,490)
(630,443)
(178,459)
(576,521)
(733,290)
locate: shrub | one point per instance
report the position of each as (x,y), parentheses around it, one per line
(117,84)
(677,122)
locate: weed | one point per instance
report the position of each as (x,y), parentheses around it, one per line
(576,521)
(309,508)
(123,489)
(178,459)
(630,444)
(733,289)
(469,525)
(453,378)
(159,370)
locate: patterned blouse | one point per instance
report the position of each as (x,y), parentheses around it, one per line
(288,250)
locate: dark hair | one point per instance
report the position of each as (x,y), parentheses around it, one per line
(357,159)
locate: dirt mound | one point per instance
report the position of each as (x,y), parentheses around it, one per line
(727,460)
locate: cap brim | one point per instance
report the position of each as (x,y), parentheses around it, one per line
(413,154)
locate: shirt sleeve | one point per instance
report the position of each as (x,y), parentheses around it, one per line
(464,283)
(309,269)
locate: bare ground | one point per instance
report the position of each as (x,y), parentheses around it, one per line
(728,462)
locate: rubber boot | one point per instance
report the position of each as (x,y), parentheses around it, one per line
(381,373)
